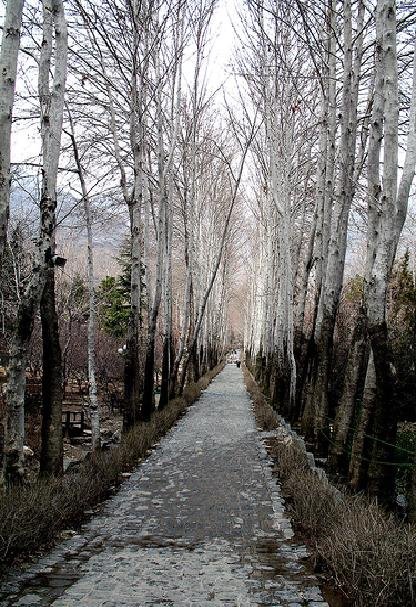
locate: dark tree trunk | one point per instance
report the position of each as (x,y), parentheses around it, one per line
(309,370)
(168,356)
(268,379)
(148,399)
(281,396)
(372,466)
(208,362)
(307,397)
(131,379)
(51,457)
(382,470)
(352,394)
(258,367)
(173,381)
(203,366)
(315,424)
(195,365)
(264,379)
(216,358)
(302,346)
(358,465)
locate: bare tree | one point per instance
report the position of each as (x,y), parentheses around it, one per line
(52,104)
(92,322)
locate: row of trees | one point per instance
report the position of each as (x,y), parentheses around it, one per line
(337,148)
(124,109)
(127,121)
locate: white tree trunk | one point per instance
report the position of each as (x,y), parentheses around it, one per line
(91,329)
(8,70)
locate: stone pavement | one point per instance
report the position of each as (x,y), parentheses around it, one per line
(201,522)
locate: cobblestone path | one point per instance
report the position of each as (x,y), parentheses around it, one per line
(201,522)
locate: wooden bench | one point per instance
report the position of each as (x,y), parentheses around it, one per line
(73,421)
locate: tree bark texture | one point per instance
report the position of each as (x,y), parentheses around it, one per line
(8,70)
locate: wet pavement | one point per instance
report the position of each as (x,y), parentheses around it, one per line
(201,522)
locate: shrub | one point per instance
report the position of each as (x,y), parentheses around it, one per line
(265,415)
(370,553)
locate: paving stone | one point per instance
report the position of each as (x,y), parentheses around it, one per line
(200,522)
(29,600)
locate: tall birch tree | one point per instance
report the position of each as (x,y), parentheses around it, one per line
(52,107)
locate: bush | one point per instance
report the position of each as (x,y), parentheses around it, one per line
(31,517)
(369,552)
(265,415)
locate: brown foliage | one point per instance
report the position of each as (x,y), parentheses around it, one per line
(266,417)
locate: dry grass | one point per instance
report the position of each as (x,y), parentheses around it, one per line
(31,517)
(370,554)
(265,415)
